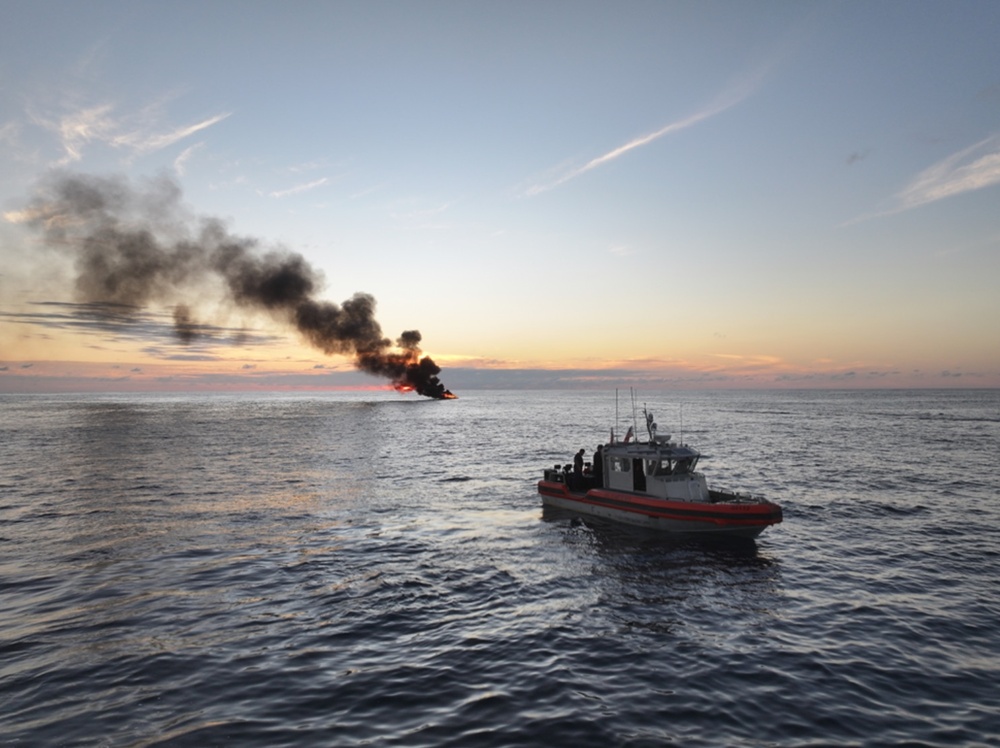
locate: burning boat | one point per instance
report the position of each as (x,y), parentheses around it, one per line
(654,484)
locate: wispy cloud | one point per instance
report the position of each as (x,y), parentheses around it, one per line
(364,192)
(180,163)
(146,142)
(81,127)
(97,124)
(434,218)
(971,169)
(306,166)
(299,188)
(8,133)
(736,93)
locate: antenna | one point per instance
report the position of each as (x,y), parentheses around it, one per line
(635,418)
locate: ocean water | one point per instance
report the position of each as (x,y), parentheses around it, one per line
(376,569)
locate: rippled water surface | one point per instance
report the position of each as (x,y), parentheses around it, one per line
(346,569)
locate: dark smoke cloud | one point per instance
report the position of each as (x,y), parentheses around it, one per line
(134,246)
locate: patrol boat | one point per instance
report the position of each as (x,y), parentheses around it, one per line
(655,484)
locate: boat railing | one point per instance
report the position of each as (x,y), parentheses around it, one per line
(735,497)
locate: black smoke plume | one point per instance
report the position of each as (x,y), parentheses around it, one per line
(134,246)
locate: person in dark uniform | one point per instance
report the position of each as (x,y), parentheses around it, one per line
(576,479)
(598,469)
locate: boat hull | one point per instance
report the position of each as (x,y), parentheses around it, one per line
(740,519)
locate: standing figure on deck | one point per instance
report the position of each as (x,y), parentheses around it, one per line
(578,469)
(599,467)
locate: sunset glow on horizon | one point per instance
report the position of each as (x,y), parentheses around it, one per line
(665,195)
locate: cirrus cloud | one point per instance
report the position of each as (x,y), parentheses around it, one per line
(97,124)
(973,168)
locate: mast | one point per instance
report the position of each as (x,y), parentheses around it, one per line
(635,419)
(616,417)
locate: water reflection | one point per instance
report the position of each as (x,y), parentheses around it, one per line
(615,537)
(681,585)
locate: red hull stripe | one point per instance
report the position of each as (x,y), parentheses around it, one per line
(720,514)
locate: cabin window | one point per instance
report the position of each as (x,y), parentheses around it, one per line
(619,465)
(663,467)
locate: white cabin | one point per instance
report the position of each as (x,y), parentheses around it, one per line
(658,468)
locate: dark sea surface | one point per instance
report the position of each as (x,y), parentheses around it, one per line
(375,569)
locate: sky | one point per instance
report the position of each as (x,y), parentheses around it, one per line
(555,194)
